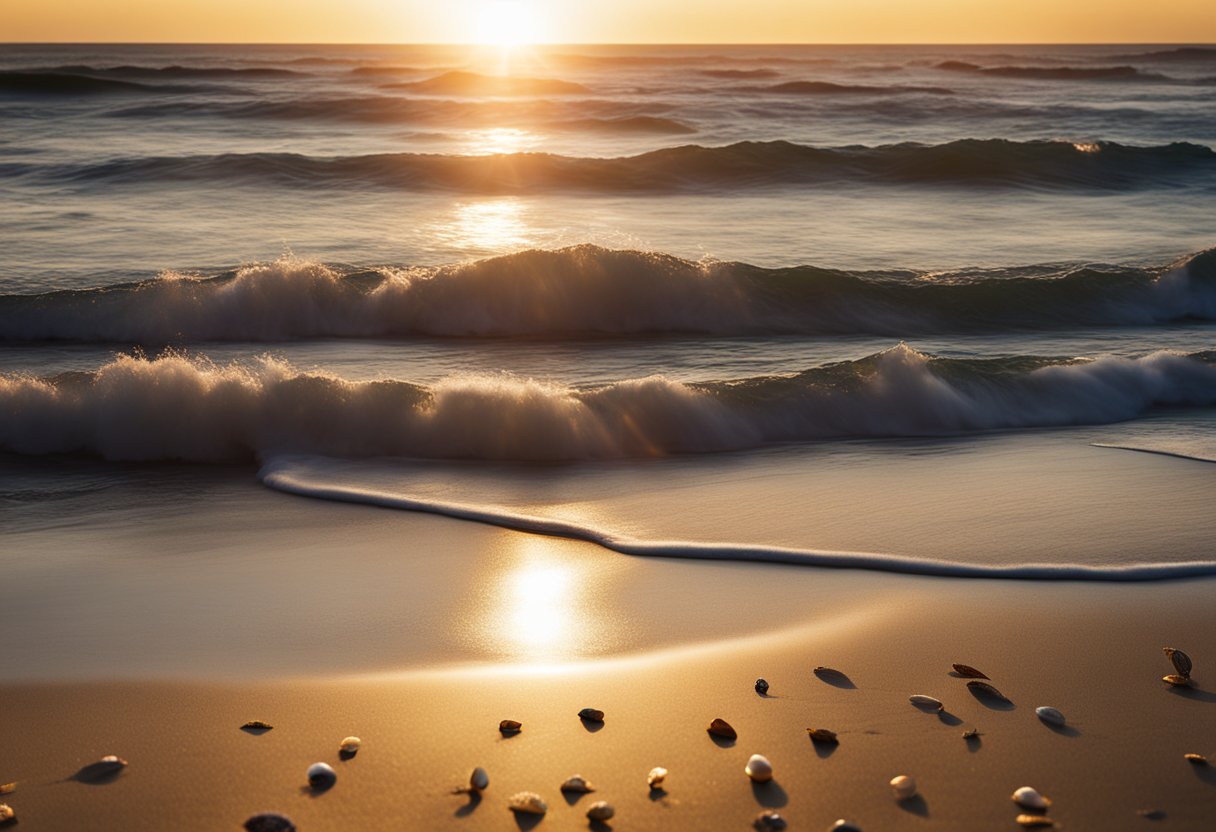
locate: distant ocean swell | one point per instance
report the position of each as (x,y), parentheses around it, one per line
(970,162)
(306,478)
(175,408)
(588,290)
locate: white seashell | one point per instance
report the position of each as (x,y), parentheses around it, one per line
(903,786)
(1035,822)
(349,746)
(759,768)
(7,815)
(577,784)
(478,780)
(321,776)
(1050,715)
(527,803)
(1030,799)
(600,810)
(927,703)
(768,821)
(656,777)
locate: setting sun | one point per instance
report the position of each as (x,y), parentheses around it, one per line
(507,23)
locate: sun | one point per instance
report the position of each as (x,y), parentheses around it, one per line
(507,23)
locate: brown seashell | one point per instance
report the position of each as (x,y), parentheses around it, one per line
(105,768)
(1196,759)
(7,815)
(1181,661)
(270,822)
(969,672)
(972,734)
(8,788)
(256,725)
(1035,822)
(591,714)
(510,726)
(986,689)
(822,735)
(1177,681)
(577,783)
(600,811)
(722,728)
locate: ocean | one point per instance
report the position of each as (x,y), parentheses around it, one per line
(907,309)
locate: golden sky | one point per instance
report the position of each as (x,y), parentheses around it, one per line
(612,21)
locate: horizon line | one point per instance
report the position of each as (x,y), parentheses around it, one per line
(439,44)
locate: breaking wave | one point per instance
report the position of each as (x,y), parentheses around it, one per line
(588,290)
(970,162)
(176,408)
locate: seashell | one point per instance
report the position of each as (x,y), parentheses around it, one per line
(722,728)
(903,786)
(106,767)
(842,825)
(828,671)
(349,747)
(591,714)
(1177,681)
(8,788)
(256,725)
(1181,661)
(822,735)
(1196,759)
(656,777)
(478,780)
(768,821)
(1050,715)
(577,784)
(926,703)
(985,689)
(761,687)
(7,815)
(600,810)
(270,822)
(1035,822)
(321,776)
(759,768)
(1030,799)
(510,726)
(972,734)
(968,672)
(527,803)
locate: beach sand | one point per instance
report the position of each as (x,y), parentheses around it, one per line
(684,643)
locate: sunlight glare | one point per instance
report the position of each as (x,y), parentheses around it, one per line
(507,23)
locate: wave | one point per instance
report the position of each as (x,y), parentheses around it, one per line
(970,162)
(473,84)
(1183,54)
(740,73)
(628,124)
(290,477)
(175,408)
(59,83)
(177,71)
(1060,73)
(588,290)
(828,88)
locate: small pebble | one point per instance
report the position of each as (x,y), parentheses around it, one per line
(7,815)
(769,821)
(842,825)
(510,726)
(656,777)
(270,822)
(1196,759)
(600,811)
(759,768)
(349,747)
(106,767)
(1030,799)
(1050,715)
(903,786)
(591,714)
(479,779)
(761,687)
(722,728)
(321,776)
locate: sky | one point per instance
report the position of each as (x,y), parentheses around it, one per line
(611,21)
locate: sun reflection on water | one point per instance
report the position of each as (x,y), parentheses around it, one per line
(491,225)
(495,140)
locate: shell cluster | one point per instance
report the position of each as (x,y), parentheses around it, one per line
(1182,665)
